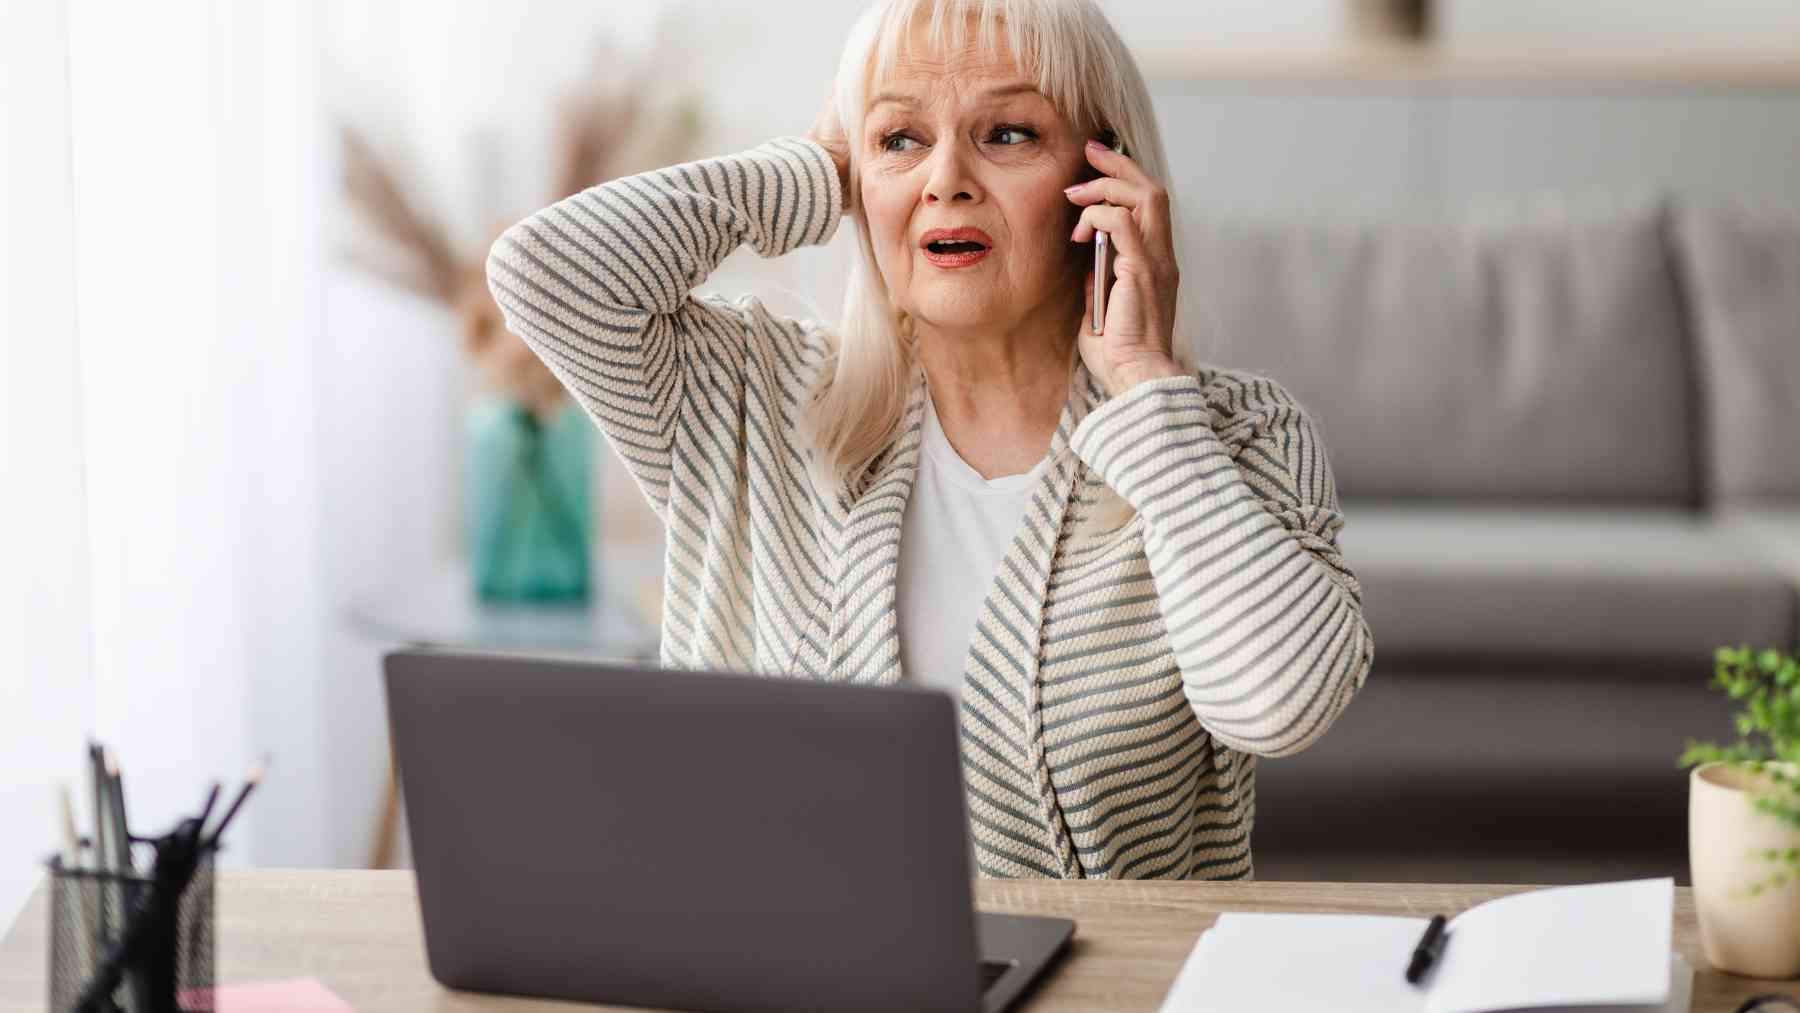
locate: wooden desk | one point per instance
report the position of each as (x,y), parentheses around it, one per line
(359,933)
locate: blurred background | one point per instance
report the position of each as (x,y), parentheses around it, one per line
(1534,265)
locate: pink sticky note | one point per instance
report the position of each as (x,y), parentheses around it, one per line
(292,995)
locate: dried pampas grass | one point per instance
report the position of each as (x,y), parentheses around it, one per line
(605,128)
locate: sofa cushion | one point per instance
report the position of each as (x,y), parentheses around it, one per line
(1742,270)
(1532,354)
(1772,534)
(1572,582)
(1522,772)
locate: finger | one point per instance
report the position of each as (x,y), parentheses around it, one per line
(1150,209)
(1101,217)
(1114,164)
(1118,224)
(1117,192)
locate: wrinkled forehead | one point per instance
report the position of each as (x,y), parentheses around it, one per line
(968,48)
(925,86)
(928,65)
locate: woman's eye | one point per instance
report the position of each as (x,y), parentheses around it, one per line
(1024,134)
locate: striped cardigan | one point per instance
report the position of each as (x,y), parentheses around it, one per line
(1121,683)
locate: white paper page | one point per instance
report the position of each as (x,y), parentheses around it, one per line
(1681,996)
(1592,944)
(1299,963)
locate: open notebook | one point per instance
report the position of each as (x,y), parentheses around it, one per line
(1599,947)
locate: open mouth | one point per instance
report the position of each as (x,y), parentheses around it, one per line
(955,247)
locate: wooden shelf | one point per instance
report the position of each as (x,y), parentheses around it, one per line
(1436,63)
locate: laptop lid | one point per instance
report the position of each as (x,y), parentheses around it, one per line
(694,840)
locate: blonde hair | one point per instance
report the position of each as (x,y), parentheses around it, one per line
(1080,65)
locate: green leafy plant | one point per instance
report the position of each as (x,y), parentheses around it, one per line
(1768,745)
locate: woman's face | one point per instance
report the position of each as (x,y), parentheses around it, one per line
(954,141)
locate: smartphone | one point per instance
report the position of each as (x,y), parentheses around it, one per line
(1103,252)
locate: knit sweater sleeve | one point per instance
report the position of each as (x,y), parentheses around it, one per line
(600,286)
(1240,519)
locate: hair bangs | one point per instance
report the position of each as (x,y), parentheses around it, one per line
(1048,43)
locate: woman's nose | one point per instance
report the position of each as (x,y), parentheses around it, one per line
(949,178)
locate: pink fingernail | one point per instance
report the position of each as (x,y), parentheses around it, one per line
(1072,189)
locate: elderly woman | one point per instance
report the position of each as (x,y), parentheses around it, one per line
(1125,567)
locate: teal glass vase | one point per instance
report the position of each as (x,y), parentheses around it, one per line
(527,495)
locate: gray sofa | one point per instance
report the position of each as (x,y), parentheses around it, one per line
(1567,437)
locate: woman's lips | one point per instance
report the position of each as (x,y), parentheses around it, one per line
(962,259)
(963,237)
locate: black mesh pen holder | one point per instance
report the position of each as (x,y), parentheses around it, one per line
(155,943)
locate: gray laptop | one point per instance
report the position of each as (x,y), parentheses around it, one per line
(695,840)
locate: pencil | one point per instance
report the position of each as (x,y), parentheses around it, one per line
(211,798)
(255,778)
(97,775)
(71,836)
(119,829)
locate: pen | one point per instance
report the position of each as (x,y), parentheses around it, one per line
(1429,951)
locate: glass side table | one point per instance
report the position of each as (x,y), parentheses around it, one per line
(443,611)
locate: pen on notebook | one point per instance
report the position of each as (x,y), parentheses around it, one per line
(1429,951)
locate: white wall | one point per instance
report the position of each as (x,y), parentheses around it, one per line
(161,537)
(46,664)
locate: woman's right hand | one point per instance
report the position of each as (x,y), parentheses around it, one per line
(829,135)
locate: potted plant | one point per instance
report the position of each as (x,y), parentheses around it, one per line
(1744,819)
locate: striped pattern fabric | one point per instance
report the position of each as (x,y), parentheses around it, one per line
(1123,680)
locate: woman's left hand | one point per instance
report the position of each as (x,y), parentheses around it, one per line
(1133,210)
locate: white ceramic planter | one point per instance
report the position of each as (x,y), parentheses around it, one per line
(1756,935)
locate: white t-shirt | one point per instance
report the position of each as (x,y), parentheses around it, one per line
(957,527)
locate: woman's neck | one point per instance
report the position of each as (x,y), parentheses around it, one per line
(998,401)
